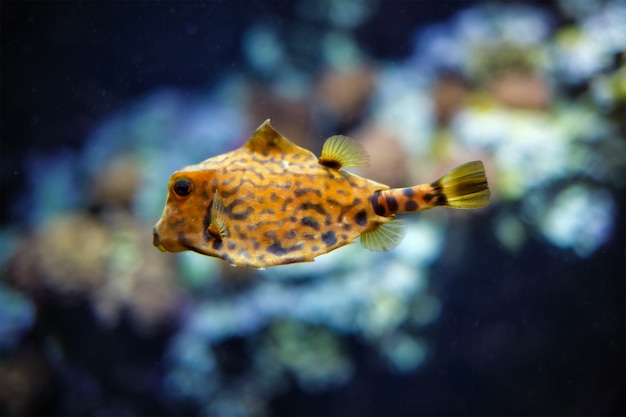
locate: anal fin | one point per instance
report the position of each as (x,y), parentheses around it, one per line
(385,237)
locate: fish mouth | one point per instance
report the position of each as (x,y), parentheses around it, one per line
(180,245)
(156,241)
(184,245)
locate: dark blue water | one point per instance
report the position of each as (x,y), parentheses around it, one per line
(533,331)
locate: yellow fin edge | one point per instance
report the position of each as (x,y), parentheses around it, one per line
(465,187)
(385,237)
(341,152)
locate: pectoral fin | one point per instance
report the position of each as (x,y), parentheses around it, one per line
(217,228)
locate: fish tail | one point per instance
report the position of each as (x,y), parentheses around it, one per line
(465,187)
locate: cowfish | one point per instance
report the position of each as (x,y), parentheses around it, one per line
(271,202)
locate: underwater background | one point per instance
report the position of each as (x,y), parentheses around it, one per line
(515,309)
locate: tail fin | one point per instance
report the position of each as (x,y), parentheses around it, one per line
(465,187)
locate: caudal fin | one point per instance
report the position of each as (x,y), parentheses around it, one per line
(465,187)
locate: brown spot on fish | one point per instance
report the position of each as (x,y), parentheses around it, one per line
(278,249)
(286,203)
(361,218)
(225,193)
(376,206)
(303,191)
(410,206)
(330,163)
(310,222)
(329,238)
(318,208)
(241,215)
(392,204)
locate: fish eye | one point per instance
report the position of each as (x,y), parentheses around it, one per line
(182,187)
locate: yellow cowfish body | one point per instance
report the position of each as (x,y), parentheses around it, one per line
(272,202)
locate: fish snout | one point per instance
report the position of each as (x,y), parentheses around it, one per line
(156,240)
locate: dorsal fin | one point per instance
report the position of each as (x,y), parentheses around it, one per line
(341,152)
(385,237)
(267,140)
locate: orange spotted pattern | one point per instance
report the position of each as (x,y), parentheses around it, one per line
(280,205)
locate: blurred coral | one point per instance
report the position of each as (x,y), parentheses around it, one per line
(102,258)
(388,160)
(118,183)
(448,97)
(291,114)
(344,93)
(311,354)
(520,90)
(67,256)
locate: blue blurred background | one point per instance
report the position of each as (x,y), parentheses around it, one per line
(514,309)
